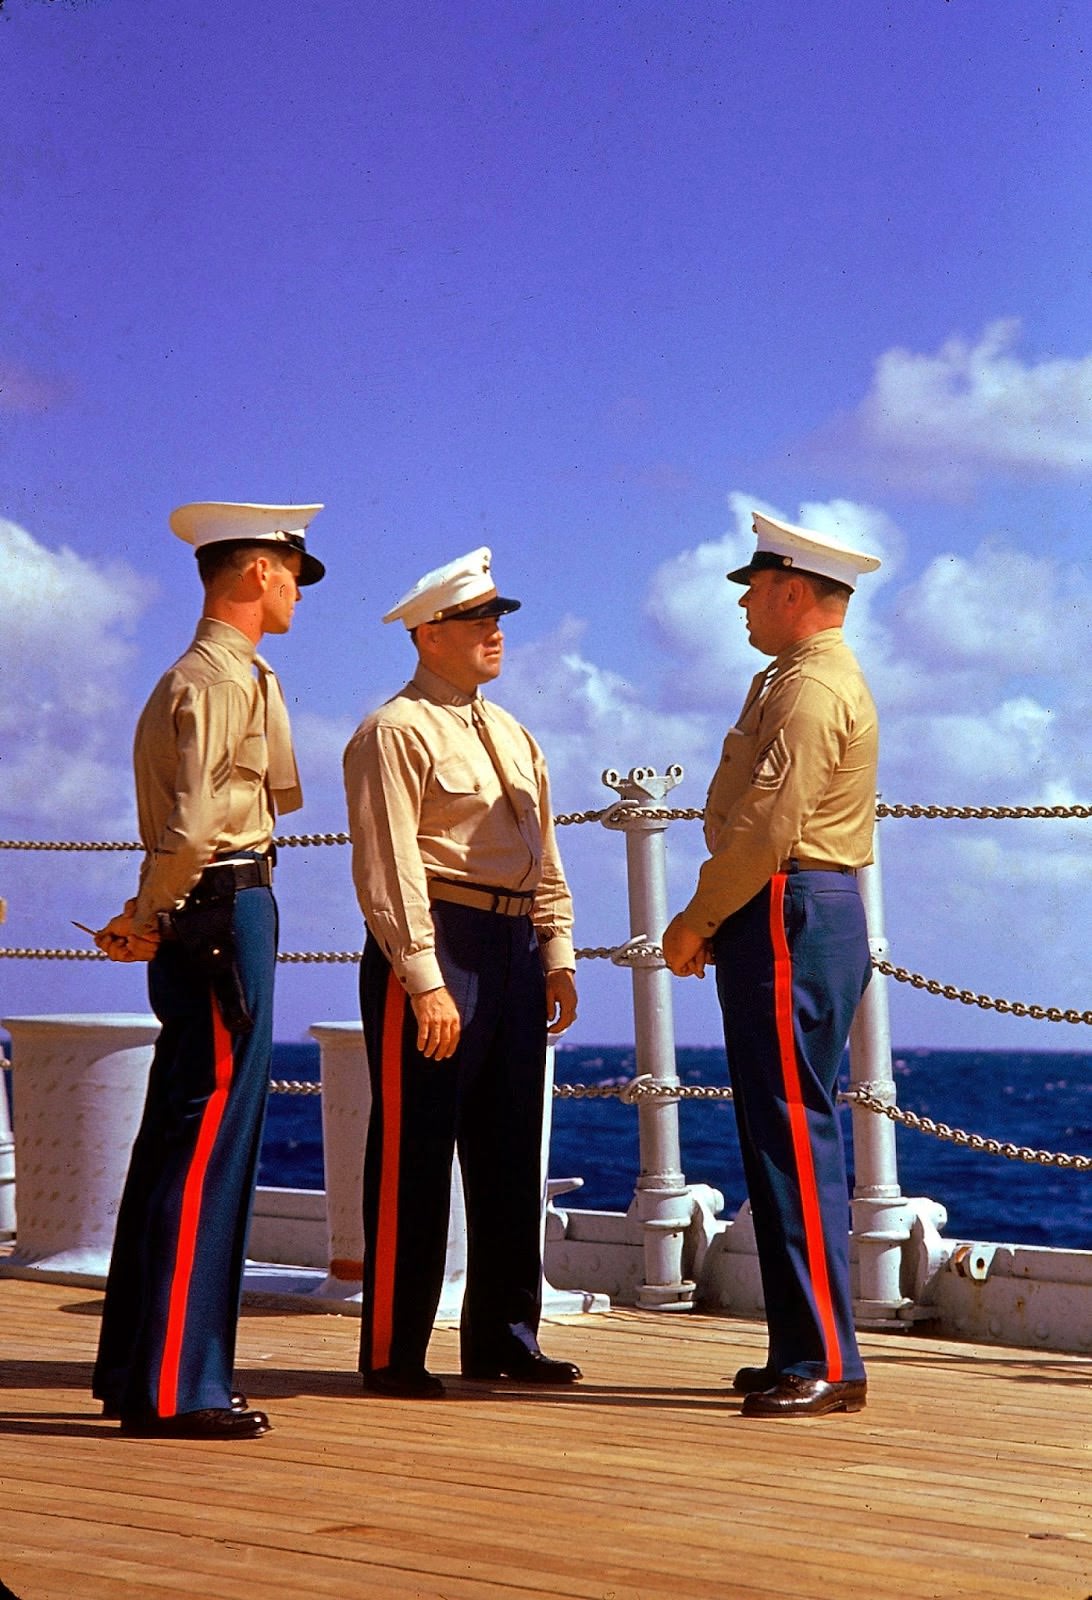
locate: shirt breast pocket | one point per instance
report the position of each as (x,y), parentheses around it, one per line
(456,778)
(457,807)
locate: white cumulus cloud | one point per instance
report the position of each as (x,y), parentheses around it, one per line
(943,419)
(64,714)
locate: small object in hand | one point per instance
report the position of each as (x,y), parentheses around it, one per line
(84,928)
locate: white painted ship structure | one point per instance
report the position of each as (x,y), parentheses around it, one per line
(80,1084)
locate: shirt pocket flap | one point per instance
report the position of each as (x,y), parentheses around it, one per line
(456,777)
(251,754)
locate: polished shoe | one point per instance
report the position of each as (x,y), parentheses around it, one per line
(414,1384)
(524,1366)
(754,1380)
(218,1422)
(793,1396)
(113,1413)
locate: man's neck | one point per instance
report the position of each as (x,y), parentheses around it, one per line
(245,618)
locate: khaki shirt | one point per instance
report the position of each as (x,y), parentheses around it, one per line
(425,800)
(797,777)
(200,759)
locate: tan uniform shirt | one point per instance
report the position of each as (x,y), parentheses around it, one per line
(797,777)
(426,800)
(201,760)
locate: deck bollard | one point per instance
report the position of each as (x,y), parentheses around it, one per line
(882,1217)
(79,1086)
(663,1203)
(346,1107)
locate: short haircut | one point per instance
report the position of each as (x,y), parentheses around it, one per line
(822,588)
(233,555)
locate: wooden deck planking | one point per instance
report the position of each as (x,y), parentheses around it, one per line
(968,1474)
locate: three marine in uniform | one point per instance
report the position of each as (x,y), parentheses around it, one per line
(468,964)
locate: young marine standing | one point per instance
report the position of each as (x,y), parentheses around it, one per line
(788,822)
(468,963)
(214,765)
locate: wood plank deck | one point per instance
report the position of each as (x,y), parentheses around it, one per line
(970,1474)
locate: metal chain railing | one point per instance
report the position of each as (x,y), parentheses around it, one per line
(985,1002)
(653,813)
(968,1141)
(635,951)
(644,1088)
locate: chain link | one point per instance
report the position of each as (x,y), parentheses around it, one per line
(969,1141)
(985,1002)
(984,813)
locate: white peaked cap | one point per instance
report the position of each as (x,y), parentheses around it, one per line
(783,547)
(463,588)
(205,522)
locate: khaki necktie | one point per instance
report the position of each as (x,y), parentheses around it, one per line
(282,775)
(485,734)
(516,800)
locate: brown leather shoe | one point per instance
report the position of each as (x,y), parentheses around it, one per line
(754,1380)
(793,1396)
(217,1422)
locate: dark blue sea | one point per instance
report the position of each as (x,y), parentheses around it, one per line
(1037,1098)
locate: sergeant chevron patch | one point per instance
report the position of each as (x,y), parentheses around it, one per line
(772,764)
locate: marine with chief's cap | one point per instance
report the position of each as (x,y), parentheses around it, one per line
(788,823)
(214,766)
(468,963)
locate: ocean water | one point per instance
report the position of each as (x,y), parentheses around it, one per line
(1037,1098)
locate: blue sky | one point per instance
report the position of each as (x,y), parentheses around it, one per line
(586,283)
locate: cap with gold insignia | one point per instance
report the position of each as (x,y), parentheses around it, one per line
(237,522)
(464,589)
(783,547)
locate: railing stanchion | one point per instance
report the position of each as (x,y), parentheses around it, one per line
(662,1201)
(881,1216)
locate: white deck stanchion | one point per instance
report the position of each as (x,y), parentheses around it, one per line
(346,1106)
(7,1161)
(78,1089)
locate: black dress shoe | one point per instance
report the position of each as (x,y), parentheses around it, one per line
(793,1396)
(413,1384)
(754,1380)
(525,1366)
(113,1413)
(217,1422)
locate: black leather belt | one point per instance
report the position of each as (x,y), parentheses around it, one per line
(800,864)
(509,903)
(225,877)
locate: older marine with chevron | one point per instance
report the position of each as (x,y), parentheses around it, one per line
(788,822)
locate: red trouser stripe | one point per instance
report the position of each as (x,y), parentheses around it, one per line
(814,1239)
(190,1218)
(386,1237)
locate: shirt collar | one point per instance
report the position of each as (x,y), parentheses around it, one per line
(443,693)
(222,633)
(814,644)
